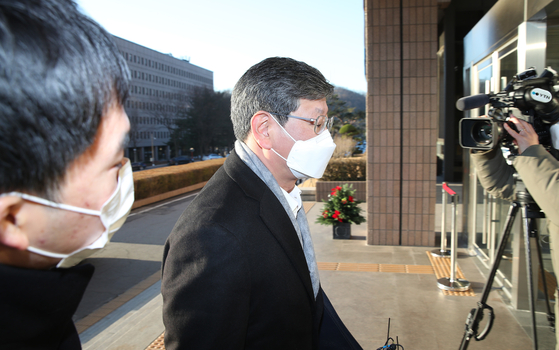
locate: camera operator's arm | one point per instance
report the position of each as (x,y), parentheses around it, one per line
(538,169)
(494,174)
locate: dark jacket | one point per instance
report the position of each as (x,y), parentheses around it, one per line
(234,272)
(36,307)
(539,172)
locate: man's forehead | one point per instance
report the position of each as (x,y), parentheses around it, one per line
(317,106)
(322,111)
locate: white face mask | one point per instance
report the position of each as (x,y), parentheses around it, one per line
(309,158)
(113,214)
(554,130)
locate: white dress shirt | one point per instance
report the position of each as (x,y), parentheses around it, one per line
(293,199)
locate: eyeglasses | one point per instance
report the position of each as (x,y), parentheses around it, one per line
(321,123)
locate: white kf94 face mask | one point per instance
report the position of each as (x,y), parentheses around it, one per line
(309,158)
(113,214)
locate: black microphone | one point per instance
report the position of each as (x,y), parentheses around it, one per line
(471,102)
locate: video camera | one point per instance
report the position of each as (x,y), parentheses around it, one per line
(527,97)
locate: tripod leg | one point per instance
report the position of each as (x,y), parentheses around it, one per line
(526,228)
(509,221)
(550,314)
(474,318)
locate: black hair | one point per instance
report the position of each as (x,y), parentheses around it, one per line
(275,85)
(60,72)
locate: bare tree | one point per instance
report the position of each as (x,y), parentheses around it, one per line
(205,124)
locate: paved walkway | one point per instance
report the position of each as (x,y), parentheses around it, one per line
(367,285)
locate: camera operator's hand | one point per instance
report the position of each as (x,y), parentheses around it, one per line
(526,136)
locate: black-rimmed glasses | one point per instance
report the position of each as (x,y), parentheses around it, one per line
(321,123)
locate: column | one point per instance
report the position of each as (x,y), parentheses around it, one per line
(401,46)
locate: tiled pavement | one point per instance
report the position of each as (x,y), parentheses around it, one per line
(367,285)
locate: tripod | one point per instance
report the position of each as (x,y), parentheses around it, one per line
(530,212)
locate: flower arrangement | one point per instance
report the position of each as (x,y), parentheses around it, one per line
(341,207)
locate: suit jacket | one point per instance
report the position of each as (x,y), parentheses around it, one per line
(234,272)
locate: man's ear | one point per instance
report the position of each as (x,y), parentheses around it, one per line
(259,125)
(10,233)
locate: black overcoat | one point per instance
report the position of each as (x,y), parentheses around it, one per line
(234,273)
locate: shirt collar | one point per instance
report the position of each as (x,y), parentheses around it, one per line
(293,199)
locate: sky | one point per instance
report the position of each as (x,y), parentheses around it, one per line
(228,37)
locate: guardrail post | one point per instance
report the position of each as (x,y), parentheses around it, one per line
(452,283)
(442,252)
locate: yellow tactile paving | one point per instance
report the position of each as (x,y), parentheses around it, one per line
(442,269)
(361,267)
(327,266)
(392,268)
(157,344)
(358,267)
(425,269)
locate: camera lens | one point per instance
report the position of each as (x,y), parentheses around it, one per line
(482,132)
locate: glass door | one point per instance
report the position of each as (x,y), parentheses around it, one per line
(491,76)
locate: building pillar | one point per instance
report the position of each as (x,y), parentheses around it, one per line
(401,62)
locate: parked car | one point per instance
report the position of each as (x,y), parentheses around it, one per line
(212,156)
(180,160)
(138,166)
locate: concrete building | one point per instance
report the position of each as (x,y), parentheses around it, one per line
(421,56)
(158,94)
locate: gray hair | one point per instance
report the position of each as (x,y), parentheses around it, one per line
(274,85)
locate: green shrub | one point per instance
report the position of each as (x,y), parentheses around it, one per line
(349,130)
(346,169)
(149,183)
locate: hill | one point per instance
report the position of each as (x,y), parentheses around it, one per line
(352,98)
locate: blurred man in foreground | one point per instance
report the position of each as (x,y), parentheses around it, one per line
(65,186)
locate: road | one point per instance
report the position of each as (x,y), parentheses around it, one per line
(133,254)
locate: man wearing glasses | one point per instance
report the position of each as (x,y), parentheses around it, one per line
(239,270)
